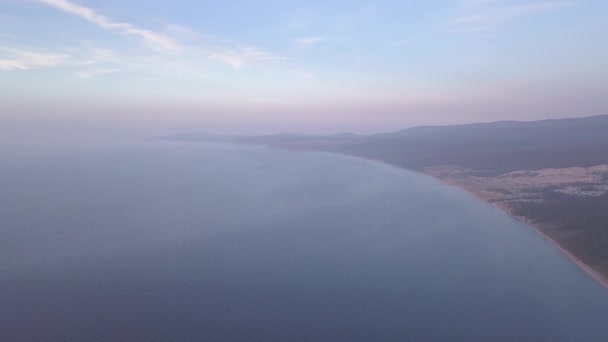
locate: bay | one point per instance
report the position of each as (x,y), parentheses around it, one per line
(202,242)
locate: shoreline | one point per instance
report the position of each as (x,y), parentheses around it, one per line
(595,275)
(588,270)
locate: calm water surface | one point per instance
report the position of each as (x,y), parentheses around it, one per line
(223,243)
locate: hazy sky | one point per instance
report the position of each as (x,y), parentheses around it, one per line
(310,66)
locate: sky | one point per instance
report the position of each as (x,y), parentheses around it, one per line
(301,66)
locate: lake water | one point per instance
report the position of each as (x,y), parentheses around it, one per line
(178,242)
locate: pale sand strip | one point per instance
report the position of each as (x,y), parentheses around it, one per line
(603,281)
(599,278)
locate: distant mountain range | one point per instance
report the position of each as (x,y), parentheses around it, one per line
(552,174)
(495,148)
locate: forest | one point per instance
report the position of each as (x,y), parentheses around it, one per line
(578,223)
(488,151)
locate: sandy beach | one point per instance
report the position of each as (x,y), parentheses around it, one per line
(603,281)
(599,278)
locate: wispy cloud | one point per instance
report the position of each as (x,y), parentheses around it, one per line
(485,21)
(240,57)
(157,40)
(167,41)
(25,60)
(89,55)
(90,73)
(309,41)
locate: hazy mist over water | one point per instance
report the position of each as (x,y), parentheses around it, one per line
(109,234)
(198,242)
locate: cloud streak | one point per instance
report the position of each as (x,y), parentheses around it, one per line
(156,40)
(24,60)
(95,72)
(236,57)
(485,21)
(309,41)
(241,57)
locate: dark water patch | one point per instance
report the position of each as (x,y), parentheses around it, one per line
(218,243)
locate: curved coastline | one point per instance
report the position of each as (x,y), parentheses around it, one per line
(599,278)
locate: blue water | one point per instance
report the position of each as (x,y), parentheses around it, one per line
(199,242)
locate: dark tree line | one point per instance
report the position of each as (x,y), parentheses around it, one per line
(579,223)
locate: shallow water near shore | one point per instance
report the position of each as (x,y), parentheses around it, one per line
(179,242)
